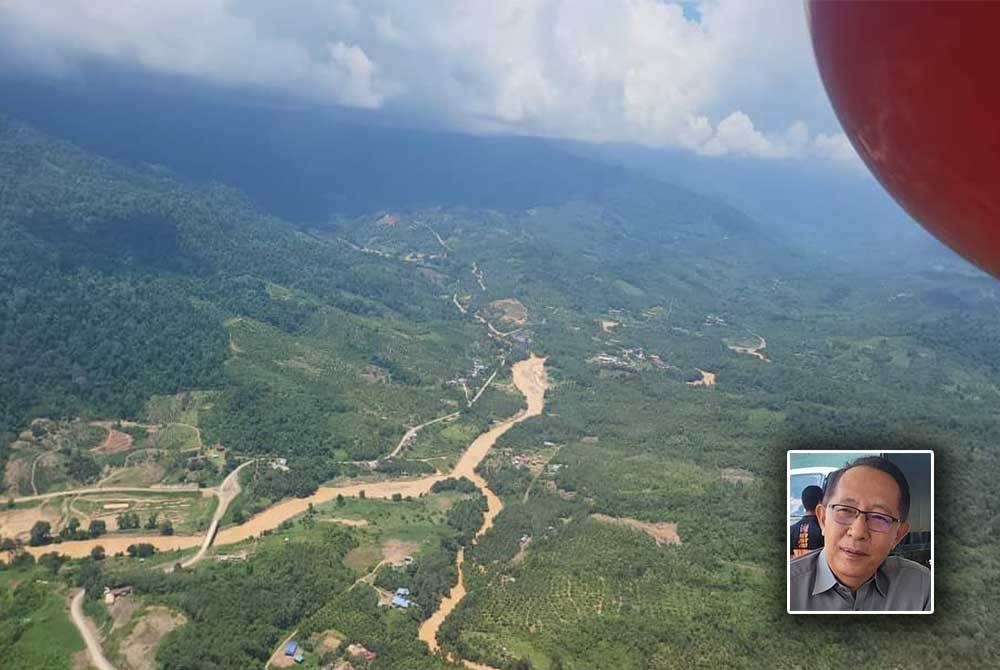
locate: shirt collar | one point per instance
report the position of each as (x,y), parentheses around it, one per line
(824,575)
(825,579)
(882,581)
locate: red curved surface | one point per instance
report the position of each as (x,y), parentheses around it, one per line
(917,89)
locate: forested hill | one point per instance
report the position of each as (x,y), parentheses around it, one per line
(119,283)
(116,283)
(686,351)
(310,165)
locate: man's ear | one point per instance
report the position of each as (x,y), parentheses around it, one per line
(821,515)
(904,528)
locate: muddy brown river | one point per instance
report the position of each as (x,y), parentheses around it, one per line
(529,378)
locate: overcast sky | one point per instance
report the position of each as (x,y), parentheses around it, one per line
(723,77)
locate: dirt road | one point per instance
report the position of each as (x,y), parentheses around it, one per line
(756,352)
(34,464)
(88,633)
(227,492)
(108,489)
(412,433)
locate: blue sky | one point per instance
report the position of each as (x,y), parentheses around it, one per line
(718,78)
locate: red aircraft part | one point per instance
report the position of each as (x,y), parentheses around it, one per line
(916,87)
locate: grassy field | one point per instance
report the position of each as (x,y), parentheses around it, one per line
(186,408)
(37,633)
(420,521)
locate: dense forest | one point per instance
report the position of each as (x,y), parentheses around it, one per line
(118,285)
(131,293)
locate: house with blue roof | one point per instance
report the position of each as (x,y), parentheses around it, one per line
(291,647)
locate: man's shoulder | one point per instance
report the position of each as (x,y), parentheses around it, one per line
(904,566)
(803,566)
(909,584)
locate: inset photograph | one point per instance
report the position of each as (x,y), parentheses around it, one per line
(860,532)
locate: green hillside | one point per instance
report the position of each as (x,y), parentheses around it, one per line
(130,294)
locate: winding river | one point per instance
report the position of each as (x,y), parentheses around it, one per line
(529,378)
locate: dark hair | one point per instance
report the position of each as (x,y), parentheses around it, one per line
(811,495)
(879,463)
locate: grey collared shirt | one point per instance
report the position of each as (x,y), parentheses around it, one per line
(898,585)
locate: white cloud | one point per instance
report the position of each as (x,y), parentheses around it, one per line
(200,38)
(737,135)
(594,70)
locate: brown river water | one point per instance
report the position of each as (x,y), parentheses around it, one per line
(529,378)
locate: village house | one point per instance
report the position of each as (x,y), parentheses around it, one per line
(528,460)
(400,599)
(110,595)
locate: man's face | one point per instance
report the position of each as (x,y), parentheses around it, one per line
(855,552)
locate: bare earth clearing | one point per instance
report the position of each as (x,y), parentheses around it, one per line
(396,551)
(115,441)
(358,523)
(661,531)
(139,647)
(17,523)
(707,379)
(513,311)
(756,352)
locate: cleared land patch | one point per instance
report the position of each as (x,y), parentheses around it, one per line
(115,442)
(396,551)
(707,379)
(139,648)
(512,311)
(662,532)
(17,523)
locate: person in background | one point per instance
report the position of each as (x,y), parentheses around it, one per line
(805,535)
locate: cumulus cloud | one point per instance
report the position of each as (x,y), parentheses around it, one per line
(642,71)
(200,38)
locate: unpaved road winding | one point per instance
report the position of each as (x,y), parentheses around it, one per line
(227,492)
(34,464)
(88,633)
(412,433)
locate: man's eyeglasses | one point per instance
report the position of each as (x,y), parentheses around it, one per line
(877,521)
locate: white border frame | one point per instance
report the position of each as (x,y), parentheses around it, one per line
(788,561)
